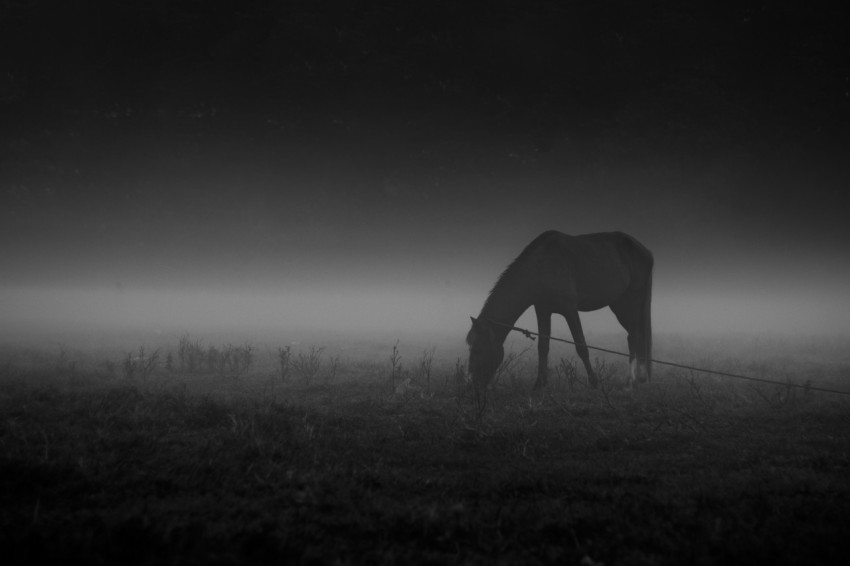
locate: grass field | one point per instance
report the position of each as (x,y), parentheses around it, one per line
(390,460)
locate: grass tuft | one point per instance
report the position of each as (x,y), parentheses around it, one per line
(198,467)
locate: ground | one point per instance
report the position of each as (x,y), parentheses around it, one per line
(111,466)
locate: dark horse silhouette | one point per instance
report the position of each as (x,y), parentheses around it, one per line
(561,274)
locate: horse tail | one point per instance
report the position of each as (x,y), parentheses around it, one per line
(646,318)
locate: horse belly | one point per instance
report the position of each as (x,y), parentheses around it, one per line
(599,288)
(591,305)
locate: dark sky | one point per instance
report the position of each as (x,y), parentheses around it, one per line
(342,165)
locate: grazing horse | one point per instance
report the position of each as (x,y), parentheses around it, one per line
(561,274)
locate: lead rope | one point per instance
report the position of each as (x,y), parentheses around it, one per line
(531,335)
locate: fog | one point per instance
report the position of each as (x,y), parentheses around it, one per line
(421,318)
(292,170)
(354,310)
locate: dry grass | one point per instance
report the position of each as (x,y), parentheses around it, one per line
(200,467)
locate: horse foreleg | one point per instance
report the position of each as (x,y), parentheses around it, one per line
(544,330)
(574,323)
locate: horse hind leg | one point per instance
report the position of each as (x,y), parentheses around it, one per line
(576,330)
(544,329)
(634,367)
(638,364)
(627,321)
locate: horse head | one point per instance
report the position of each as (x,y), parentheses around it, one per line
(485,352)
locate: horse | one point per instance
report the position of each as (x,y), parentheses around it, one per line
(561,274)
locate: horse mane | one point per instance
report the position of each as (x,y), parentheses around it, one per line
(507,276)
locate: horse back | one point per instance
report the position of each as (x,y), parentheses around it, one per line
(594,268)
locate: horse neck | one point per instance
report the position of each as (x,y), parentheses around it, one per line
(505,305)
